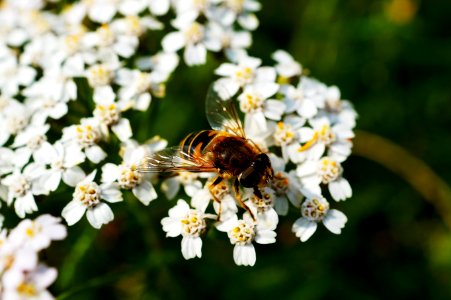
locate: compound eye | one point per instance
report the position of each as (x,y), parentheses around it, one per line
(249,177)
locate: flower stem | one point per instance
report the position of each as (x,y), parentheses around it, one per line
(413,170)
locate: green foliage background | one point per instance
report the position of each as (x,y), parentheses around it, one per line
(391,59)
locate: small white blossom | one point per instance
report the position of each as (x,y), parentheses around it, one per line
(23,186)
(85,136)
(257,107)
(190,224)
(127,175)
(86,198)
(325,171)
(316,209)
(242,233)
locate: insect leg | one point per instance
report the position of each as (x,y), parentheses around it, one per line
(236,187)
(215,182)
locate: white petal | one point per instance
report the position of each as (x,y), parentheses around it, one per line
(304,228)
(145,192)
(170,187)
(340,189)
(110,192)
(335,220)
(249,21)
(73,212)
(73,176)
(122,129)
(195,54)
(159,7)
(110,172)
(265,237)
(25,205)
(307,109)
(173,41)
(99,215)
(52,181)
(191,247)
(244,255)
(274,109)
(95,154)
(172,227)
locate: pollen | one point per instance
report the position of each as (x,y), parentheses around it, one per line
(326,135)
(193,224)
(99,75)
(284,134)
(27,289)
(87,193)
(243,233)
(329,169)
(133,25)
(106,35)
(20,187)
(129,177)
(87,135)
(107,114)
(315,209)
(195,33)
(251,102)
(244,75)
(280,183)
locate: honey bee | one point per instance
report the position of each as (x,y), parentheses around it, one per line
(223,150)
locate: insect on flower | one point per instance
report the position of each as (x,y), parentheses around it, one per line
(223,150)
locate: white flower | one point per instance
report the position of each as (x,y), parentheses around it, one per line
(191,35)
(255,104)
(108,114)
(13,75)
(63,161)
(135,88)
(38,234)
(190,224)
(127,175)
(85,136)
(108,37)
(296,102)
(22,186)
(224,201)
(286,66)
(240,10)
(228,37)
(263,208)
(336,138)
(29,285)
(286,135)
(326,171)
(316,209)
(243,71)
(286,186)
(32,141)
(86,198)
(14,117)
(242,233)
(99,75)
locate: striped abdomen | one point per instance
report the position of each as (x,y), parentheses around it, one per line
(194,144)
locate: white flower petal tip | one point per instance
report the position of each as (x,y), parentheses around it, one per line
(335,221)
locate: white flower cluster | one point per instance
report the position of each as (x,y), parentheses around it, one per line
(71,74)
(22,275)
(305,128)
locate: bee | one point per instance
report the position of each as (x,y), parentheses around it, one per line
(223,150)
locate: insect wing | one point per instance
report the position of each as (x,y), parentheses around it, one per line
(174,159)
(221,111)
